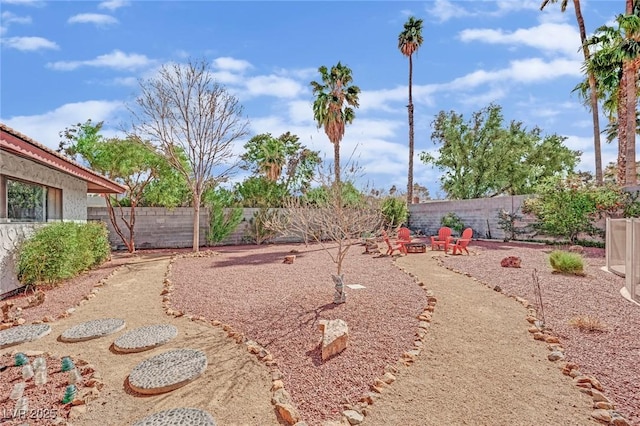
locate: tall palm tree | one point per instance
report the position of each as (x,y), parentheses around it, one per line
(332,108)
(593,95)
(409,41)
(631,48)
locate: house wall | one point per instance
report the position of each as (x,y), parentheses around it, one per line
(74,207)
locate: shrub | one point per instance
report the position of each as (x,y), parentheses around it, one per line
(587,323)
(394,211)
(452,221)
(62,250)
(565,262)
(221,222)
(265,225)
(507,222)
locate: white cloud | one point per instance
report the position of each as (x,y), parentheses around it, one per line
(443,10)
(11,18)
(37,3)
(44,128)
(301,112)
(227,77)
(231,64)
(113,4)
(482,99)
(547,37)
(92,18)
(508,6)
(272,85)
(116,60)
(29,43)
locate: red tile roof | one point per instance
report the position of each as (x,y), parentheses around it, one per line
(21,145)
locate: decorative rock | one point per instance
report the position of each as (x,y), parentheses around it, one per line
(618,420)
(335,334)
(144,338)
(511,262)
(178,417)
(555,356)
(497,288)
(538,336)
(598,396)
(23,333)
(288,413)
(601,415)
(353,416)
(289,259)
(603,405)
(92,330)
(551,339)
(281,396)
(167,371)
(277,384)
(388,378)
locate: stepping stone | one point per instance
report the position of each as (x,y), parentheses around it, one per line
(23,333)
(178,417)
(167,371)
(92,330)
(144,338)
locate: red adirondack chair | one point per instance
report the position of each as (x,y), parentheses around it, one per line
(442,239)
(404,234)
(462,242)
(391,247)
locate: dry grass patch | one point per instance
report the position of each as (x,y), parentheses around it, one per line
(587,324)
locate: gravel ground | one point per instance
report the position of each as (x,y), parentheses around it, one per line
(279,306)
(612,356)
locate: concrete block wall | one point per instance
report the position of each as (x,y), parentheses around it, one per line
(159,227)
(480,214)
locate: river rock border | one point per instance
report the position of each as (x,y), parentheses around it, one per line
(281,399)
(603,408)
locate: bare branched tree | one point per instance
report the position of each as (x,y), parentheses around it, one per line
(187,113)
(336,220)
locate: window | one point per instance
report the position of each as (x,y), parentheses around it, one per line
(29,202)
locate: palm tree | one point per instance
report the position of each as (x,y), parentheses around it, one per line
(409,41)
(615,64)
(593,95)
(329,109)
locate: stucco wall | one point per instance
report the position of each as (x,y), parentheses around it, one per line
(74,190)
(11,235)
(74,207)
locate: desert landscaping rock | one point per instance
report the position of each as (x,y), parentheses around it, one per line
(144,338)
(167,371)
(92,330)
(22,334)
(178,417)
(335,334)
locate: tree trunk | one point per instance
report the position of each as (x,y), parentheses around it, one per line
(196,221)
(410,108)
(593,95)
(114,222)
(336,160)
(622,131)
(629,71)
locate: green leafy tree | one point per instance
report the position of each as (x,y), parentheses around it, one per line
(258,191)
(394,211)
(409,41)
(130,161)
(483,158)
(333,107)
(224,215)
(186,112)
(283,159)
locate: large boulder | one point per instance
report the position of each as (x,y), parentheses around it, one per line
(335,334)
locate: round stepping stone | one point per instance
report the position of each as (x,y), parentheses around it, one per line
(178,417)
(92,330)
(167,371)
(23,333)
(143,338)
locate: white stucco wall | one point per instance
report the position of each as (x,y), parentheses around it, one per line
(74,190)
(74,208)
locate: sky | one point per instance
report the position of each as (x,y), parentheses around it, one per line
(63,62)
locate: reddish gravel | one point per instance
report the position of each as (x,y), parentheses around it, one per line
(58,298)
(612,356)
(279,306)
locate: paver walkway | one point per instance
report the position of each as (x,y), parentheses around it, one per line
(235,387)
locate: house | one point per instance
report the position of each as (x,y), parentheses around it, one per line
(38,185)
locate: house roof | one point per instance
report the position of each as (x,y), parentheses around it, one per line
(21,145)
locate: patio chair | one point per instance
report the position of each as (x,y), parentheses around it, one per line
(442,239)
(399,245)
(404,234)
(462,242)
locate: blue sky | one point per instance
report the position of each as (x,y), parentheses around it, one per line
(63,62)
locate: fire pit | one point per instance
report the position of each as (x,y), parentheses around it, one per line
(416,247)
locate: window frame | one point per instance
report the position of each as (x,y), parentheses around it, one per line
(52,208)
